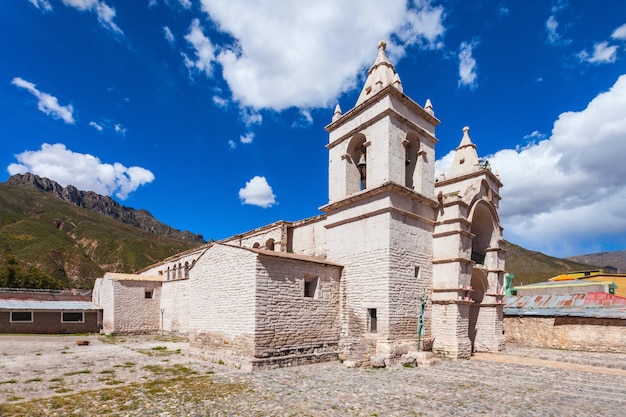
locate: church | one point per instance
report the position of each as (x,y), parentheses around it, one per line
(398,261)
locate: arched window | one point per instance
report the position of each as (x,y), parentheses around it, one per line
(256,245)
(356,164)
(187,269)
(269,245)
(412,162)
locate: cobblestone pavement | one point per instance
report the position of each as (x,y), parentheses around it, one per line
(518,382)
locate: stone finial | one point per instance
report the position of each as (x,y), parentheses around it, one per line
(465,158)
(429,107)
(466,141)
(337,114)
(379,76)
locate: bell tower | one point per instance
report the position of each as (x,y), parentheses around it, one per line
(386,137)
(381,212)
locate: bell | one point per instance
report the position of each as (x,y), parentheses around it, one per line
(362,161)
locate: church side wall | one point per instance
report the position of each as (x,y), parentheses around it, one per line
(410,275)
(292,326)
(222,305)
(175,306)
(309,239)
(134,313)
(260,238)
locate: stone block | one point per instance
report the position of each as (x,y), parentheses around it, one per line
(377,361)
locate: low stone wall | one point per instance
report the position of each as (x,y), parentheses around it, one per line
(573,333)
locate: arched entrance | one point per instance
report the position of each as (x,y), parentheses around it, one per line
(486,237)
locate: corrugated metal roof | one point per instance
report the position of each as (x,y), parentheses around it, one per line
(569,283)
(46,305)
(591,304)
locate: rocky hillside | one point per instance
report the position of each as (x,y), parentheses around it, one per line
(531,266)
(616,259)
(104,205)
(46,241)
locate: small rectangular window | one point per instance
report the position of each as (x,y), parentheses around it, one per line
(21,316)
(72,317)
(148,294)
(310,287)
(372,319)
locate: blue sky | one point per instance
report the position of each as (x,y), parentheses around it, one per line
(211,114)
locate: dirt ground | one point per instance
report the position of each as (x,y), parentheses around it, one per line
(35,366)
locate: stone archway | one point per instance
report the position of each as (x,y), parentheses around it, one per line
(486,237)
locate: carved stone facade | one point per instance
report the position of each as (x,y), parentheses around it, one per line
(351,282)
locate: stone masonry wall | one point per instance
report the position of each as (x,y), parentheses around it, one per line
(175,306)
(222,308)
(134,313)
(410,275)
(261,237)
(291,326)
(574,333)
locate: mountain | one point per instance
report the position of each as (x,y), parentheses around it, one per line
(103,205)
(616,259)
(53,237)
(530,266)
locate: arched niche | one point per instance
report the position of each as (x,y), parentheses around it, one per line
(256,245)
(269,244)
(412,166)
(356,164)
(485,229)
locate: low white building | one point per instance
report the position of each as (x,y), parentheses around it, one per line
(396,258)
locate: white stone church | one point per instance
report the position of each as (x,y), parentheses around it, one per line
(396,262)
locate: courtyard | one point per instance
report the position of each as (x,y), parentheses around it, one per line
(152,375)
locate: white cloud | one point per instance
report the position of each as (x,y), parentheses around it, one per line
(41,4)
(620,32)
(169,36)
(220,102)
(602,54)
(232,144)
(551,27)
(47,103)
(251,117)
(467,66)
(103,11)
(534,135)
(119,129)
(275,61)
(567,190)
(204,51)
(554,37)
(96,126)
(247,138)
(257,192)
(85,172)
(185,3)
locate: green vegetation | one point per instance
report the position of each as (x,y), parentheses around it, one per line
(46,242)
(111,401)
